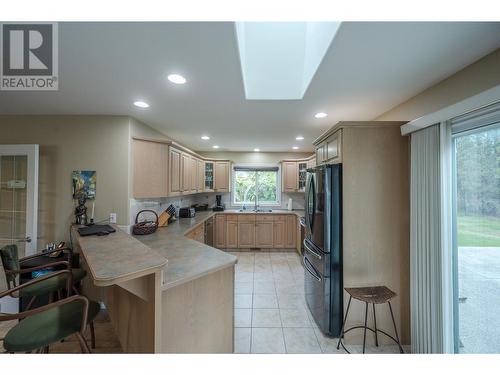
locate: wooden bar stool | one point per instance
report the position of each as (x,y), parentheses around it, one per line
(375,295)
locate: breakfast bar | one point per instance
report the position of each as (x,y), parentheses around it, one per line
(164,292)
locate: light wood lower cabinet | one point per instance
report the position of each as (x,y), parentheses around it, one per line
(231,234)
(220,231)
(246,231)
(263,231)
(279,233)
(264,234)
(198,233)
(291,231)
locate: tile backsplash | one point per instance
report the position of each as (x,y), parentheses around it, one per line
(160,204)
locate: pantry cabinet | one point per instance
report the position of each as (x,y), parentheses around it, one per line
(150,169)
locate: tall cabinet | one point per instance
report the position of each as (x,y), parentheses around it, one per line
(376,211)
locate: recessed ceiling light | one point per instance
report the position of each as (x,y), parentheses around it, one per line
(320,115)
(299,138)
(215,146)
(256,149)
(205,137)
(295,147)
(141,104)
(177,79)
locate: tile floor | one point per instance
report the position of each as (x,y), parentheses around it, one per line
(270,309)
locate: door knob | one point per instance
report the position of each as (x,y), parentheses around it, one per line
(27,239)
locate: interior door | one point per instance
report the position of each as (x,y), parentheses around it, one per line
(18,201)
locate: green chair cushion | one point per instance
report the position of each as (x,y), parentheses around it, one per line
(53,284)
(48,327)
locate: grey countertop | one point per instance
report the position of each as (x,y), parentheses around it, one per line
(119,256)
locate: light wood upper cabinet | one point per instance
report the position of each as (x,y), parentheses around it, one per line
(222,176)
(200,181)
(264,234)
(291,232)
(193,174)
(290,176)
(246,234)
(231,234)
(150,160)
(220,231)
(175,186)
(186,172)
(333,147)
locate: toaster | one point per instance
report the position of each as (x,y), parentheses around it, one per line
(187,212)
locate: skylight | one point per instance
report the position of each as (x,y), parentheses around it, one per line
(279,59)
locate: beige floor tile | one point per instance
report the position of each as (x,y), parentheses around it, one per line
(291,301)
(266,276)
(265,318)
(294,318)
(265,301)
(327,344)
(243,301)
(242,338)
(301,340)
(242,318)
(263,287)
(243,287)
(267,340)
(243,277)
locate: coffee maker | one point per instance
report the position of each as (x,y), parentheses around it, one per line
(218,203)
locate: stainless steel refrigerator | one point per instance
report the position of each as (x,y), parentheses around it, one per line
(323,247)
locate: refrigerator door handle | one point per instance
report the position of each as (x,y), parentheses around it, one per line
(311,250)
(312,272)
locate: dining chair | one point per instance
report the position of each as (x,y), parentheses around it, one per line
(43,326)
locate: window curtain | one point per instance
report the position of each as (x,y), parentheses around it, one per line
(431,291)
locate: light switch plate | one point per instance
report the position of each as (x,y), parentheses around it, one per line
(112,218)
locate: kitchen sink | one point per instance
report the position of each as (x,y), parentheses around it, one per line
(256,211)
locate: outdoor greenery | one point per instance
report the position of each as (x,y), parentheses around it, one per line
(247,183)
(478,188)
(476,231)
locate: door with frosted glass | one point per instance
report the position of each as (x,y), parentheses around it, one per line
(18,199)
(477,239)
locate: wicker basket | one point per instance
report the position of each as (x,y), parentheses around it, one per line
(145,227)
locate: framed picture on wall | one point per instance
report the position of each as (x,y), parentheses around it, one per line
(83,182)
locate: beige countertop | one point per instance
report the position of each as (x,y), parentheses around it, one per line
(120,257)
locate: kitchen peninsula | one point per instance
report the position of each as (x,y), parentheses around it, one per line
(164,292)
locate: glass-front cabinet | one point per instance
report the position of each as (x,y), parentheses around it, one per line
(209,175)
(302,175)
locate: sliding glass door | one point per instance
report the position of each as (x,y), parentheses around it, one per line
(476,218)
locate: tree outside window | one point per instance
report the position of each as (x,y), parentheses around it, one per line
(262,182)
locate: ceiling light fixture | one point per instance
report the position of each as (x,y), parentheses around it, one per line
(320,115)
(177,79)
(215,146)
(295,147)
(299,138)
(205,137)
(141,104)
(256,149)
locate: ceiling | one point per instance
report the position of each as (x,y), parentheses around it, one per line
(368,69)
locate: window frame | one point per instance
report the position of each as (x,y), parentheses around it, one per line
(256,166)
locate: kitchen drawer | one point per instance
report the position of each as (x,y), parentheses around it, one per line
(246,218)
(279,217)
(232,217)
(264,217)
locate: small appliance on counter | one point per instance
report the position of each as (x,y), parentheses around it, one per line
(200,207)
(218,203)
(187,212)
